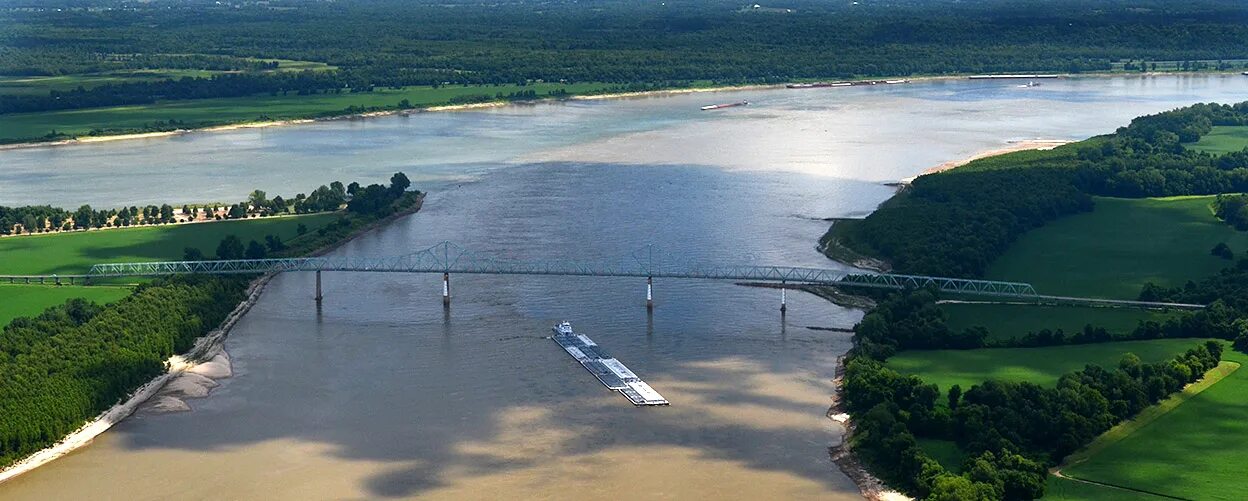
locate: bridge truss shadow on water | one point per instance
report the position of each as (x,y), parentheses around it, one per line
(648,262)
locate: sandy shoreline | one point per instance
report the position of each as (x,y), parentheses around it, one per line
(207,350)
(499,104)
(1021,145)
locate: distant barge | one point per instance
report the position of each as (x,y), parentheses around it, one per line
(721,106)
(1006,77)
(609,371)
(844,83)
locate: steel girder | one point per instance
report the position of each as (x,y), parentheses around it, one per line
(450,258)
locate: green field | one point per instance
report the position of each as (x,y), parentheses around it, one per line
(1196,451)
(1042,366)
(1223,139)
(1118,247)
(30,300)
(1061,489)
(41,85)
(208,112)
(1008,321)
(74,253)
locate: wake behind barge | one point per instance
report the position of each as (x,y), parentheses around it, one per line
(609,371)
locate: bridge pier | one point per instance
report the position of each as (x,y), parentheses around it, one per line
(649,293)
(319,297)
(783,303)
(446,290)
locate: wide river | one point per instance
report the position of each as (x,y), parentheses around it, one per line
(383,394)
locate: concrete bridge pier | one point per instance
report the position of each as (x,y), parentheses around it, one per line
(649,293)
(446,290)
(319,297)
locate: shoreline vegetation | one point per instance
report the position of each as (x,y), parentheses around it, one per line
(190,374)
(1003,434)
(591,96)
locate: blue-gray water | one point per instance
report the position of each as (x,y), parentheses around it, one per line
(382,394)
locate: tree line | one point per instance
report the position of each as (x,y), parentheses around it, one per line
(326,198)
(364,206)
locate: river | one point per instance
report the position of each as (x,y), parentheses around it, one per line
(384,394)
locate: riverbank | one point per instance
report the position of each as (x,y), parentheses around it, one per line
(589,95)
(871,487)
(1020,145)
(206,360)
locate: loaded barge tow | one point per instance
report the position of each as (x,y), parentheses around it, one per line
(609,371)
(722,106)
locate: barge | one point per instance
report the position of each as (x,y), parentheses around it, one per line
(721,106)
(610,372)
(844,83)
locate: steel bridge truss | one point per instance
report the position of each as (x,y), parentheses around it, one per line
(450,258)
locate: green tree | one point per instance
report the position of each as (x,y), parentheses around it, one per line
(231,247)
(255,250)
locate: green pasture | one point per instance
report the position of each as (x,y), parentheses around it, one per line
(1121,245)
(74,253)
(1009,321)
(1223,139)
(1042,366)
(30,300)
(41,85)
(219,111)
(1197,450)
(1063,489)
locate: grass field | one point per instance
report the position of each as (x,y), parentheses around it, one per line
(1196,451)
(1118,247)
(1223,139)
(74,253)
(30,300)
(208,112)
(41,85)
(1061,489)
(1042,366)
(70,253)
(1008,321)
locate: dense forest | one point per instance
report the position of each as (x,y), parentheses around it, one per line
(378,43)
(957,222)
(72,362)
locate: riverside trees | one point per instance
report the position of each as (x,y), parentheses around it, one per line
(70,363)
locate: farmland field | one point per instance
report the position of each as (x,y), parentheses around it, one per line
(1121,245)
(1223,139)
(1008,321)
(1206,434)
(1042,366)
(30,300)
(74,253)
